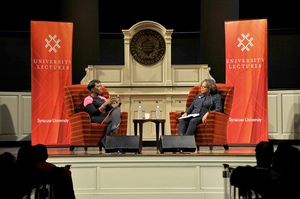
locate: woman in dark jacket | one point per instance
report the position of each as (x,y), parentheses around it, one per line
(101,110)
(203,103)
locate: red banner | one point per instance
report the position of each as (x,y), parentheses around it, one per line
(247,69)
(51,70)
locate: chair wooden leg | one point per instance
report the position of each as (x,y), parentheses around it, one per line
(211,147)
(100,146)
(72,148)
(226,147)
(85,148)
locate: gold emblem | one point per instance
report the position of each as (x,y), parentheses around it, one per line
(147,47)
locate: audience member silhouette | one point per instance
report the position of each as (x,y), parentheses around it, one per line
(27,174)
(8,169)
(41,155)
(32,171)
(285,172)
(62,184)
(280,180)
(59,177)
(264,154)
(255,178)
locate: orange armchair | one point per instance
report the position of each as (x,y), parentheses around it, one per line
(214,130)
(84,133)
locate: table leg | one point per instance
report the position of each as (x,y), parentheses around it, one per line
(141,134)
(135,128)
(157,135)
(162,131)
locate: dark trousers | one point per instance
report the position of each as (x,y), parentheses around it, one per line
(113,121)
(188,126)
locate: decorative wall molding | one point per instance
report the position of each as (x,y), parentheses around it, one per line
(137,74)
(284,114)
(147,76)
(15,116)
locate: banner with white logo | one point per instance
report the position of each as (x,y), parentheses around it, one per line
(51,70)
(247,69)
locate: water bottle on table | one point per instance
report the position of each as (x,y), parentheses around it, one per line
(157,114)
(140,113)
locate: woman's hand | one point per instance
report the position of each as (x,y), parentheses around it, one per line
(204,117)
(108,101)
(119,100)
(184,114)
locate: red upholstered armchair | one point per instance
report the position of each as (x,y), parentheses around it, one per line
(214,130)
(85,133)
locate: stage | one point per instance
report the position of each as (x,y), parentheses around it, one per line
(63,151)
(148,174)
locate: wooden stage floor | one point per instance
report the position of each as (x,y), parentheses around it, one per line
(63,151)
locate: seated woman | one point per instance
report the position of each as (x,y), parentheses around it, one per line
(203,103)
(101,110)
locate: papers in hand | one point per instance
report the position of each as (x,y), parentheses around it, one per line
(190,115)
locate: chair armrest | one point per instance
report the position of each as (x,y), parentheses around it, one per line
(217,117)
(123,124)
(124,115)
(81,116)
(174,121)
(174,116)
(84,117)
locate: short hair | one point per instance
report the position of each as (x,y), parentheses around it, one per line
(264,154)
(26,157)
(92,84)
(213,88)
(7,162)
(41,152)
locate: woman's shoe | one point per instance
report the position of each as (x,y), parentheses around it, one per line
(115,131)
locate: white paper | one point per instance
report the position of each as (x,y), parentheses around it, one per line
(190,115)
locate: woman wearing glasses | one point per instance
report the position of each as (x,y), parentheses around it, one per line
(209,100)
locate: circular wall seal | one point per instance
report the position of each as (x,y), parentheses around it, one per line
(147,47)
